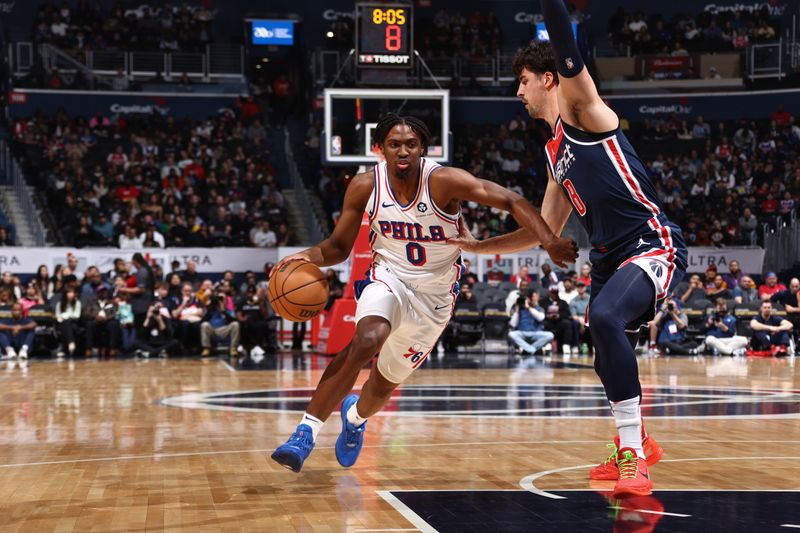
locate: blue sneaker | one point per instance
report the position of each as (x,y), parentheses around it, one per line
(348,445)
(296,450)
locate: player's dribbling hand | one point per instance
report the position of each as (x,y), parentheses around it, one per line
(300,256)
(562,251)
(465,240)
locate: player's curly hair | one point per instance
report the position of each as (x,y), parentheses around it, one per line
(537,57)
(390,120)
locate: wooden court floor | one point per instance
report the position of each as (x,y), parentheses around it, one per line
(183,445)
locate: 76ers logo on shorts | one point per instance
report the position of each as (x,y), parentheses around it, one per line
(414,354)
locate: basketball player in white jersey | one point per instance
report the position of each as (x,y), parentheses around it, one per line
(408,294)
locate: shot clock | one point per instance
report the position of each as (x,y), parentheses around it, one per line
(384,34)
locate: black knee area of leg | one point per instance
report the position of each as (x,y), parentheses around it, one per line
(603,318)
(365,345)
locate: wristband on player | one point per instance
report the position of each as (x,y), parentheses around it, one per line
(569,62)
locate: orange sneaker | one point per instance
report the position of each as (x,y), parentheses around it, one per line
(634,478)
(607,470)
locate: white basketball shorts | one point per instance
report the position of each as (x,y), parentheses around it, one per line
(417,315)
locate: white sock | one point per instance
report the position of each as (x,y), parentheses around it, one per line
(314,423)
(353,417)
(628,418)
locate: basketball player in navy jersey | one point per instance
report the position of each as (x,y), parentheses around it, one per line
(407,296)
(638,255)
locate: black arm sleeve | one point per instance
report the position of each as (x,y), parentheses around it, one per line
(569,62)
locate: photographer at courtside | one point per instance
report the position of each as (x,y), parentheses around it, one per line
(668,327)
(527,331)
(721,334)
(157,339)
(219,322)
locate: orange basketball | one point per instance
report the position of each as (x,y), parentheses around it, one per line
(298,291)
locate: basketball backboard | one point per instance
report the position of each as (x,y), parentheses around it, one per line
(351,116)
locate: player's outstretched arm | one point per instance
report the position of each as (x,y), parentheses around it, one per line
(456,184)
(555,212)
(336,248)
(578,101)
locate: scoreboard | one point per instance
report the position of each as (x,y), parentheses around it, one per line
(384,34)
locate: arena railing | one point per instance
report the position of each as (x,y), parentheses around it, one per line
(15,177)
(300,193)
(765,60)
(781,244)
(217,62)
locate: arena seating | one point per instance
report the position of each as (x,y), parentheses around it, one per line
(194,183)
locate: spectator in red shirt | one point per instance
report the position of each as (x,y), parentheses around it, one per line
(194,169)
(248,108)
(118,158)
(127,192)
(55,80)
(281,87)
(770,205)
(770,286)
(521,275)
(723,150)
(585,276)
(781,116)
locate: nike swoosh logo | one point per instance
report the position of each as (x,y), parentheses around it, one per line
(387,205)
(439,307)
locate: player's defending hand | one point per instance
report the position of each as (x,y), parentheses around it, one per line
(465,240)
(561,251)
(299,256)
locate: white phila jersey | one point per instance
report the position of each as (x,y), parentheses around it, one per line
(411,239)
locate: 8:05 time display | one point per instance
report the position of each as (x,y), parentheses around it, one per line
(384,34)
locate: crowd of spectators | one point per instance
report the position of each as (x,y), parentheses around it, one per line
(138,181)
(454,35)
(719,182)
(135,309)
(714,313)
(683,34)
(143,309)
(85,26)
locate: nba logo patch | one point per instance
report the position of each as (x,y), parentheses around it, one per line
(422,207)
(569,63)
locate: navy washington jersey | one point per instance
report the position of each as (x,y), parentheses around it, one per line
(607,185)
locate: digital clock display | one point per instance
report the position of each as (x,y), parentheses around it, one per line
(384,35)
